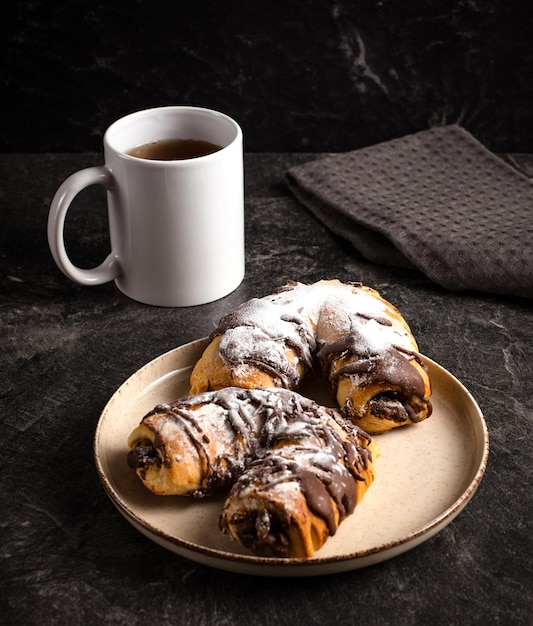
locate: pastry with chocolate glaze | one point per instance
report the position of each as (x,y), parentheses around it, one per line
(315,469)
(364,346)
(198,445)
(297,469)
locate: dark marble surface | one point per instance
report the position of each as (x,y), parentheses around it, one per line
(68,557)
(308,75)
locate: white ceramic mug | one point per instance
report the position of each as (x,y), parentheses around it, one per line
(176,227)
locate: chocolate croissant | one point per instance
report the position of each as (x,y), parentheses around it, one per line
(297,469)
(198,445)
(315,470)
(365,348)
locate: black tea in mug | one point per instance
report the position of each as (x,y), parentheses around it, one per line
(174,149)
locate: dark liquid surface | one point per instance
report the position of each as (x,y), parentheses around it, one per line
(174,149)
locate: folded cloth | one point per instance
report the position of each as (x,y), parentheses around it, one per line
(437,201)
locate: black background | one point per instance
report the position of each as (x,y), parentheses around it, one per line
(308,75)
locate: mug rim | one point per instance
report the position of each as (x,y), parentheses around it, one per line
(115,126)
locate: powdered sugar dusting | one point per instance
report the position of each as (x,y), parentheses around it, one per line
(300,316)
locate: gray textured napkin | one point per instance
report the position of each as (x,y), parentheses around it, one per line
(437,200)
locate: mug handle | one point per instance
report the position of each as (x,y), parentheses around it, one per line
(71,187)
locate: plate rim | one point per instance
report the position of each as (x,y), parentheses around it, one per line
(252,564)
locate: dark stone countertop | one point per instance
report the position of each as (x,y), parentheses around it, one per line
(68,556)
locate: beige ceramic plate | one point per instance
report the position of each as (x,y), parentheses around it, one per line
(426,474)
